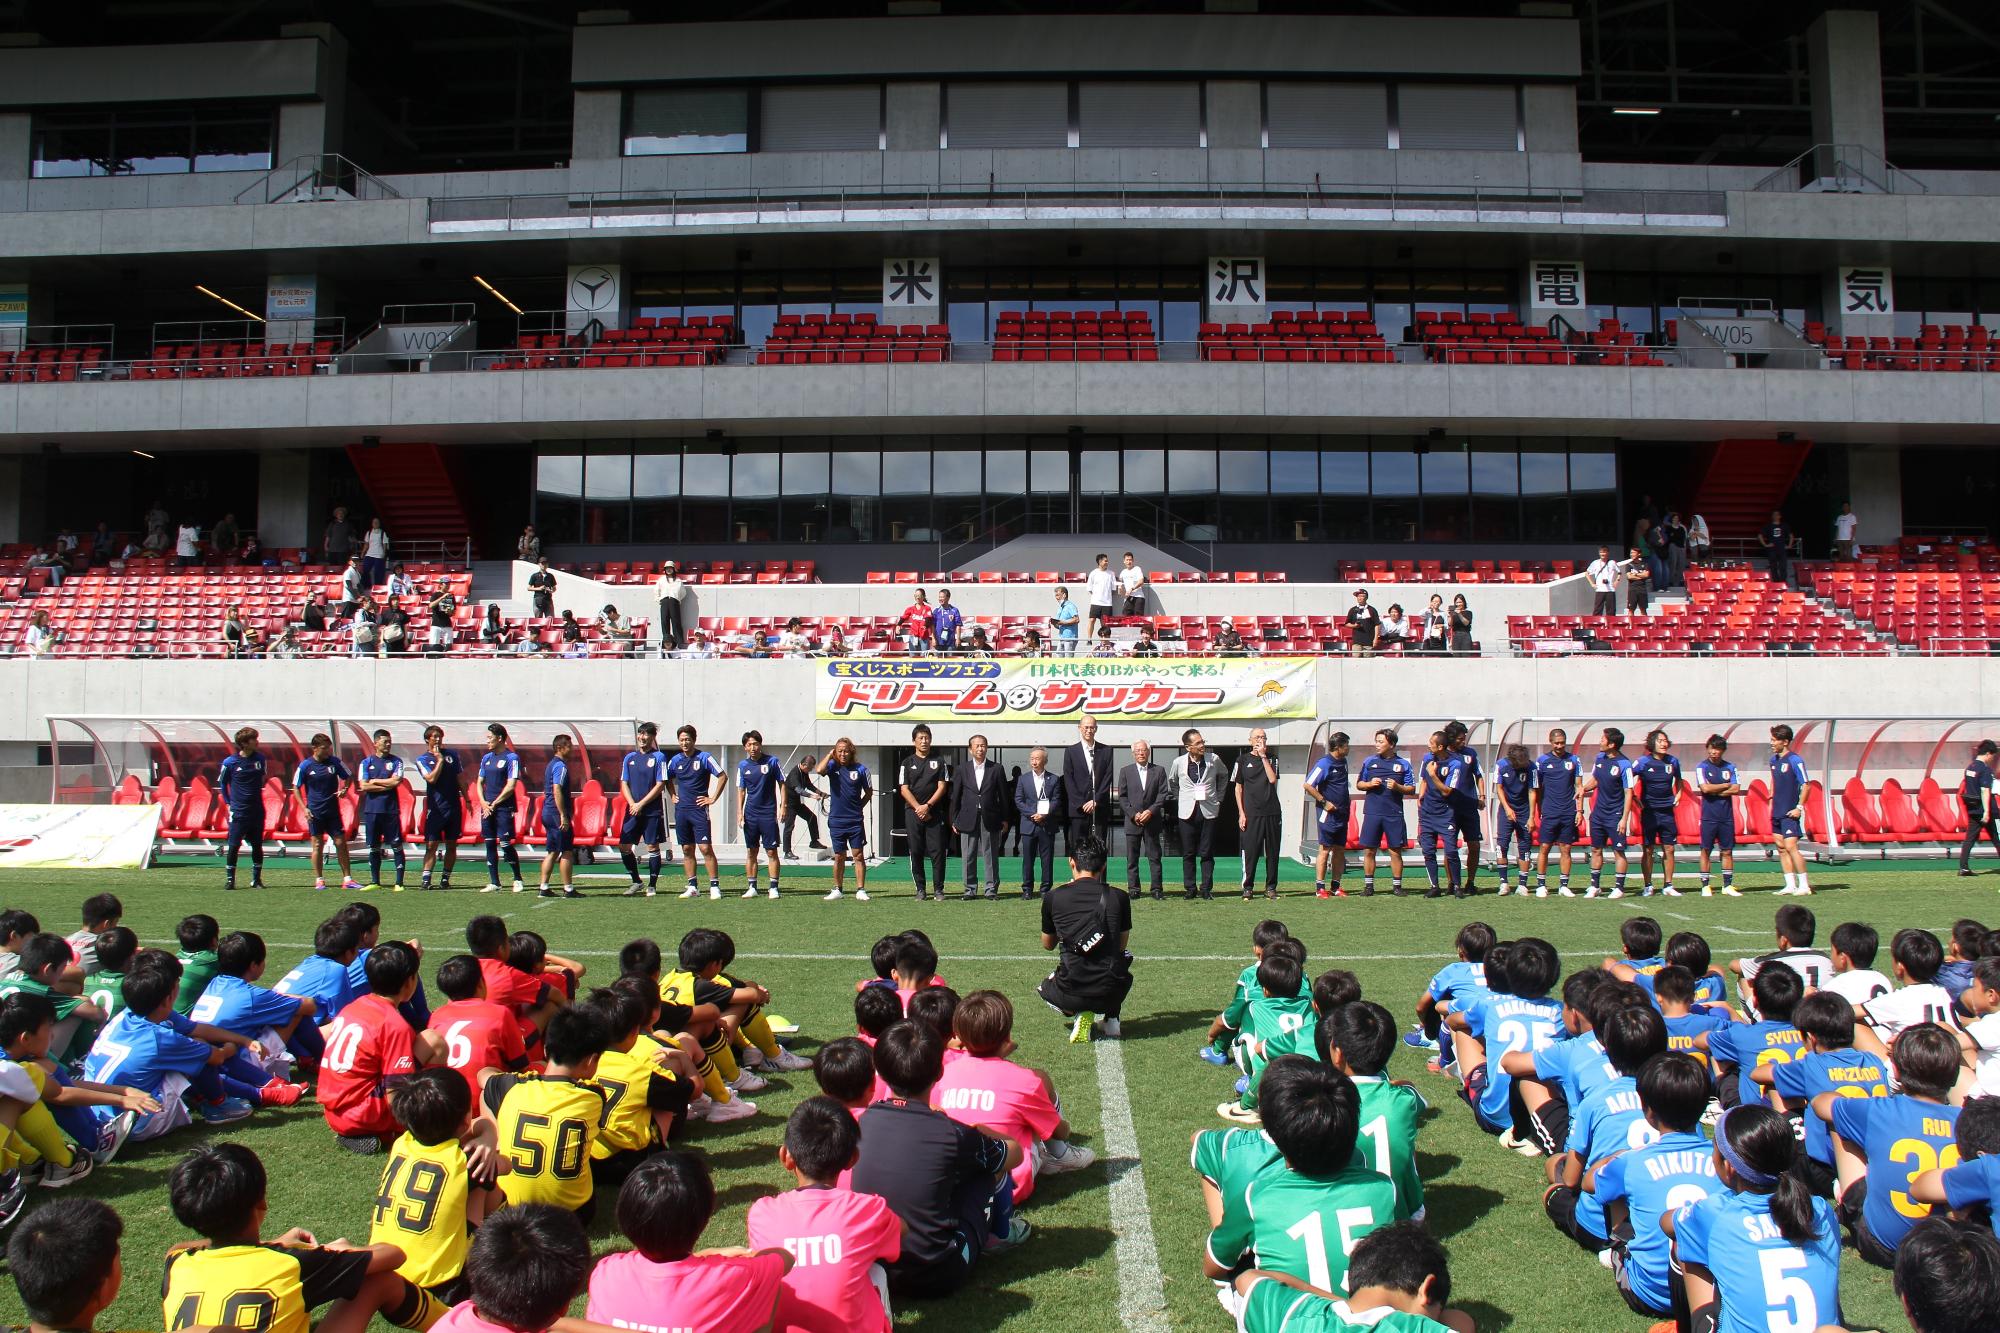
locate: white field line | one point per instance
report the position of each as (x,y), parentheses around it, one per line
(1142,1295)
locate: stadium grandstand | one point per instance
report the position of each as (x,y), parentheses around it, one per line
(1301,374)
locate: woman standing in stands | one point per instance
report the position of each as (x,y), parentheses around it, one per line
(40,638)
(375,552)
(392,627)
(442,605)
(1461,627)
(232,631)
(365,632)
(1435,628)
(1698,540)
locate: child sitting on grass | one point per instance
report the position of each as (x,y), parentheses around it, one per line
(1280,1021)
(1876,1138)
(680,1054)
(101,911)
(1400,1283)
(546,1123)
(1919,999)
(882,958)
(368,1049)
(46,969)
(663,1207)
(1971,1188)
(844,1068)
(645,1101)
(197,935)
(286,1026)
(1638,1188)
(66,1266)
(1360,1037)
(1832,1063)
(988,1090)
(1610,1120)
(143,1049)
(97,1116)
(524,1268)
(217,1192)
(480,1038)
(1452,987)
(697,1028)
(428,1205)
(838,1240)
(1227,1025)
(114,950)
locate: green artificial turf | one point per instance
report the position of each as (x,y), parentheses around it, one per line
(1510,1268)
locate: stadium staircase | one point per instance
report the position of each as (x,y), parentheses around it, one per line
(1742,481)
(412,487)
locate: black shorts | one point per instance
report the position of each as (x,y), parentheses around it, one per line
(674,1017)
(1099,612)
(452,1291)
(1850,1209)
(1560,1205)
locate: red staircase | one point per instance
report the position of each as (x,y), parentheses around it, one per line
(1742,481)
(413,489)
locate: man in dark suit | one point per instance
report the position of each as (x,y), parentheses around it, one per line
(1142,795)
(1086,779)
(978,801)
(1038,796)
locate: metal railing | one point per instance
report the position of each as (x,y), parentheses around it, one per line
(1027,201)
(316,178)
(1842,168)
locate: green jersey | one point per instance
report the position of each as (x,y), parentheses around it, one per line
(1232,1158)
(76,1038)
(107,992)
(1388,1142)
(1273,1307)
(1247,990)
(1276,1027)
(197,970)
(1302,1226)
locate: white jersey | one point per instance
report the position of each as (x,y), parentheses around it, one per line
(1815,969)
(1925,1002)
(1102,585)
(1859,986)
(1985,1034)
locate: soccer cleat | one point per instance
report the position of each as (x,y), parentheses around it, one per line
(1113,1029)
(1514,1143)
(1707,892)
(1963,873)
(320,884)
(736,1108)
(1731,891)
(374,887)
(772,893)
(714,891)
(358,1143)
(1235,1114)
(223,1110)
(691,891)
(280,1093)
(111,1136)
(1018,1231)
(1501,892)
(1079,1027)
(633,890)
(746,1081)
(1242,1085)
(750,892)
(397,889)
(569,891)
(1615,893)
(861,895)
(1646,891)
(13,1197)
(787,1063)
(832,896)
(1670,891)
(544,891)
(1321,893)
(1212,1056)
(1541,890)
(1072,1158)
(491,888)
(1340,893)
(257,882)
(1593,891)
(751,1058)
(62,1177)
(1415,1038)
(350,885)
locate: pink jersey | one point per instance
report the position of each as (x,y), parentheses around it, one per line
(464,1318)
(833,1236)
(703,1293)
(992,1093)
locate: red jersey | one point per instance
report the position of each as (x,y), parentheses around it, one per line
(369,1042)
(509,986)
(479,1034)
(917,621)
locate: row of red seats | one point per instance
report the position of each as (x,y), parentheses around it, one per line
(1290,336)
(702,571)
(48,365)
(1945,347)
(234,360)
(857,343)
(990,576)
(1074,335)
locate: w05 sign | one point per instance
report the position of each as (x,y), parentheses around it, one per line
(1159,689)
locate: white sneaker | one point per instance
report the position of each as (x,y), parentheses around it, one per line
(1604,1257)
(1500,892)
(1731,891)
(785,1062)
(690,892)
(751,1058)
(1616,892)
(518,886)
(491,888)
(715,891)
(1541,890)
(651,891)
(746,1081)
(1592,891)
(635,890)
(1805,891)
(750,892)
(773,894)
(1566,892)
(111,1136)
(832,896)
(699,1108)
(1073,1159)
(1707,891)
(736,1108)
(1237,1115)
(1646,891)
(861,895)
(1112,1028)
(1670,891)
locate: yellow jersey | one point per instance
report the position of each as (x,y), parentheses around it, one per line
(269,1288)
(546,1128)
(627,1078)
(420,1208)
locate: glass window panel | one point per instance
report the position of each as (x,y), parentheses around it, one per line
(1180,305)
(72,146)
(152,150)
(1244,472)
(1294,472)
(958,508)
(755,475)
(966,320)
(753,481)
(607,498)
(705,497)
(1097,472)
(1395,485)
(1593,479)
(1049,471)
(805,478)
(1006,474)
(607,476)
(558,491)
(906,473)
(656,489)
(687,120)
(1447,514)
(1343,483)
(233,145)
(857,473)
(1496,486)
(1145,471)
(1190,472)
(857,481)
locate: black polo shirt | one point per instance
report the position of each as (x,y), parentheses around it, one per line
(1260,794)
(926,1166)
(1363,624)
(923,775)
(1075,913)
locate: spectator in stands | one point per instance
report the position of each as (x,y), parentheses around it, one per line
(836,643)
(375,552)
(365,633)
(253,641)
(1395,628)
(392,627)
(401,584)
(442,605)
(493,631)
(252,552)
(232,631)
(1698,540)
(40,638)
(979,646)
(287,644)
(571,631)
(187,544)
(1655,549)
(1145,645)
(1460,617)
(698,646)
(1229,641)
(1032,644)
(1364,625)
(618,628)
(156,526)
(671,592)
(1776,539)
(1100,590)
(529,547)
(1846,545)
(794,640)
(315,614)
(1434,628)
(1603,574)
(337,542)
(542,587)
(916,623)
(1104,647)
(946,622)
(225,537)
(1132,586)
(1638,583)
(52,561)
(353,586)
(1677,549)
(103,544)
(66,545)
(1065,623)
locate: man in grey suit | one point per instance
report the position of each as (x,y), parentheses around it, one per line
(1197,781)
(978,799)
(1086,780)
(1142,794)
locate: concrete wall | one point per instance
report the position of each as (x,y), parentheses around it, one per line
(1875,484)
(276,70)
(1671,403)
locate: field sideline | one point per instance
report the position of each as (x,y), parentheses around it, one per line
(1510,1268)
